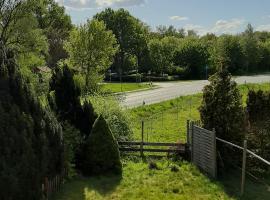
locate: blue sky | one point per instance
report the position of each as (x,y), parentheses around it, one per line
(217,16)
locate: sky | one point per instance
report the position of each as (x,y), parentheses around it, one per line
(203,16)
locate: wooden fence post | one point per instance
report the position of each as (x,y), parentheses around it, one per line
(244,167)
(142,138)
(188,141)
(214,153)
(192,136)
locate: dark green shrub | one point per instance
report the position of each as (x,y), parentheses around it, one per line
(258,108)
(31,146)
(222,108)
(101,153)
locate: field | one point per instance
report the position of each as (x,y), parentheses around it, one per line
(165,121)
(124,87)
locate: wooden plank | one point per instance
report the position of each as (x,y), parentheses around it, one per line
(153,150)
(151,144)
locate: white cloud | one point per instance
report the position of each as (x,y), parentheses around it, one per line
(178,18)
(264,27)
(230,26)
(220,27)
(88,4)
(200,30)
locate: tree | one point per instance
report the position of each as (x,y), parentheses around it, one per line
(131,35)
(222,109)
(31,145)
(101,150)
(192,55)
(65,99)
(162,53)
(250,48)
(165,31)
(56,25)
(229,50)
(91,48)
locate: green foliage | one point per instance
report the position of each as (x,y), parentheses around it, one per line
(91,49)
(192,55)
(162,53)
(250,48)
(258,107)
(72,142)
(65,100)
(117,118)
(101,154)
(56,25)
(31,137)
(222,108)
(131,35)
(228,50)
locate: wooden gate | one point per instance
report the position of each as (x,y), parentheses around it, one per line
(203,149)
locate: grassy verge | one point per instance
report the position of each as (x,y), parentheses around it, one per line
(124,87)
(166,121)
(140,182)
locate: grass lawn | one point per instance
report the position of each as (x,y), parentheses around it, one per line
(166,121)
(126,87)
(140,183)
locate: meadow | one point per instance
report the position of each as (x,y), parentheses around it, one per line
(166,121)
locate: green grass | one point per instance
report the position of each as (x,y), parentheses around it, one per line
(126,87)
(140,183)
(166,121)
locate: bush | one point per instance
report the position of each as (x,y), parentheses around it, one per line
(117,118)
(258,107)
(101,150)
(222,108)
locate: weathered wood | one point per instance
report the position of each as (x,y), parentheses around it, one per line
(130,149)
(150,144)
(142,138)
(244,167)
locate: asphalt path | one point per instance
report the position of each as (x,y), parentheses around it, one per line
(171,90)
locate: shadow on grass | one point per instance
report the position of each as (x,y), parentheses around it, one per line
(79,187)
(104,184)
(254,189)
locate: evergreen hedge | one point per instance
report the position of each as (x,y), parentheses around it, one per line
(101,150)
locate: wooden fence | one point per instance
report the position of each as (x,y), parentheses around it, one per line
(139,146)
(152,147)
(52,185)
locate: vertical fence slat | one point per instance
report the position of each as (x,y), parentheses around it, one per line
(142,139)
(244,167)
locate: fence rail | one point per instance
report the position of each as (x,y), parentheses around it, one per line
(139,147)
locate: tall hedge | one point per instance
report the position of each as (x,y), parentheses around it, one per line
(31,145)
(258,107)
(101,150)
(76,118)
(222,108)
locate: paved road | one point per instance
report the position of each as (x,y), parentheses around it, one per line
(171,90)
